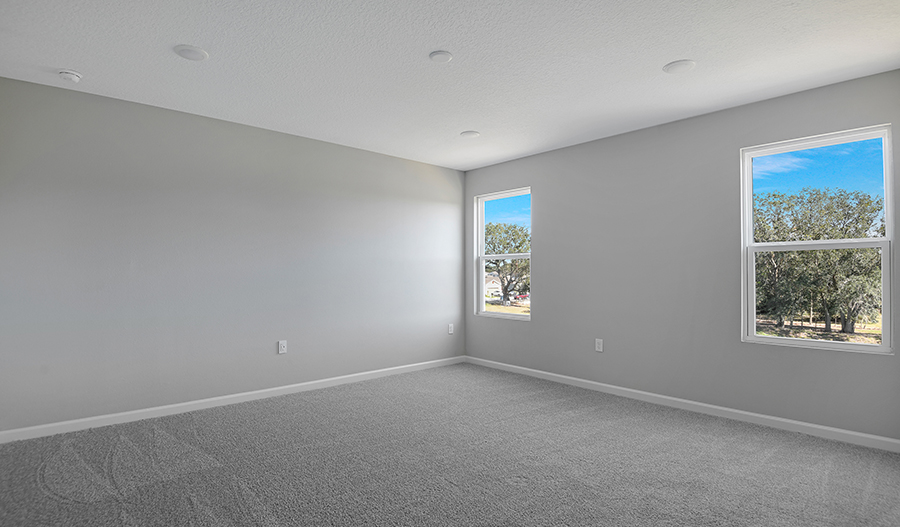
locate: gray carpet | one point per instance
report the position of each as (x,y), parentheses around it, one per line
(458,445)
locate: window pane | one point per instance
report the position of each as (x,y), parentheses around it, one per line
(828,294)
(507,225)
(507,286)
(825,193)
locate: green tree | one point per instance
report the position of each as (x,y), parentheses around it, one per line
(779,285)
(859,291)
(776,271)
(508,238)
(845,283)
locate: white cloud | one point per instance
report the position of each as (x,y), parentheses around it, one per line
(778,164)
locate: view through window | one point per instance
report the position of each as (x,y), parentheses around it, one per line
(817,241)
(504,254)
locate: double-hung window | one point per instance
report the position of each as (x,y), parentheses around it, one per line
(503,261)
(816,234)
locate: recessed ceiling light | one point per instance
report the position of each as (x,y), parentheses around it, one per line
(470,133)
(69,75)
(679,66)
(191,52)
(440,56)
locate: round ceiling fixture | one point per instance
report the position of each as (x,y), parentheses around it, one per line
(190,52)
(69,75)
(679,66)
(470,133)
(440,56)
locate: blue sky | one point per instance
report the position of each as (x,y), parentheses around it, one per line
(515,210)
(851,166)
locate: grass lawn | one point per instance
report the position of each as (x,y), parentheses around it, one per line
(868,335)
(494,306)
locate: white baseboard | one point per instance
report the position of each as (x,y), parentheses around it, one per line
(848,436)
(839,434)
(74,425)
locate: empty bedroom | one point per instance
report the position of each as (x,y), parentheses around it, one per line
(494,263)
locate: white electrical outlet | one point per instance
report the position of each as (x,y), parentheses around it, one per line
(598,345)
(450,330)
(282,346)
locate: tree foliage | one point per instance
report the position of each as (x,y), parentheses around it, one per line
(817,214)
(508,238)
(824,283)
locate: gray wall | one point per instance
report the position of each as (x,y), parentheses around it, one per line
(152,257)
(636,240)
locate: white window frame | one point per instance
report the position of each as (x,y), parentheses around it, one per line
(749,247)
(480,257)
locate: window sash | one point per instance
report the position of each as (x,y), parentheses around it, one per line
(508,256)
(480,302)
(749,319)
(479,210)
(882,131)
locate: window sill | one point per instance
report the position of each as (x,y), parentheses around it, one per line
(868,349)
(487,314)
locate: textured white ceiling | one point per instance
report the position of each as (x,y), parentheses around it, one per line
(530,75)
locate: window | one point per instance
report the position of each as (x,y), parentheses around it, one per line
(503,263)
(816,235)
